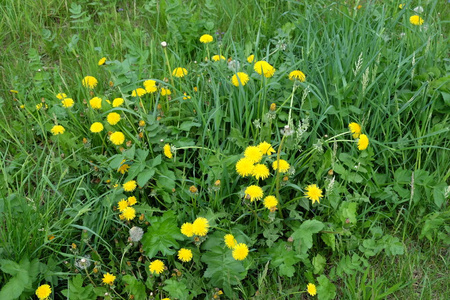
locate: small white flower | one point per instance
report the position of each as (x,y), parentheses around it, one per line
(418,9)
(164,44)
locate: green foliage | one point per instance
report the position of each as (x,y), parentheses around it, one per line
(23,276)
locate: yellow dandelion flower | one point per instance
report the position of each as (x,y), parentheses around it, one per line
(253,153)
(230,241)
(200,226)
(186,97)
(363,142)
(67,102)
(266,148)
(244,167)
(96,102)
(129,186)
(260,171)
(253,192)
(129,213)
(187,229)
(156,266)
(240,251)
(108,278)
(102,61)
(416,20)
(165,92)
(206,38)
(240,78)
(131,200)
(61,96)
(313,193)
(184,255)
(123,168)
(282,166)
(355,128)
(270,202)
(218,57)
(138,92)
(57,129)
(117,102)
(311,288)
(117,138)
(96,127)
(150,86)
(89,82)
(264,68)
(179,72)
(297,74)
(113,118)
(167,151)
(43,291)
(251,58)
(122,205)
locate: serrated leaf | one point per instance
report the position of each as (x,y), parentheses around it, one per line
(162,235)
(177,289)
(319,263)
(15,286)
(283,258)
(134,287)
(329,239)
(303,234)
(326,290)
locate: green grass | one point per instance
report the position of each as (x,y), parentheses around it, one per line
(381,230)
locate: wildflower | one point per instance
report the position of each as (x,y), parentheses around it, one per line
(206,38)
(254,192)
(260,171)
(244,167)
(41,105)
(186,97)
(57,129)
(217,182)
(96,127)
(123,168)
(96,103)
(311,288)
(218,57)
(129,186)
(14,91)
(416,20)
(122,205)
(184,255)
(179,72)
(240,78)
(164,44)
(401,5)
(89,82)
(43,291)
(117,102)
(102,61)
(61,96)
(240,251)
(150,86)
(187,229)
(270,202)
(83,263)
(67,102)
(418,9)
(313,193)
(266,148)
(195,89)
(167,151)
(129,213)
(156,266)
(200,226)
(299,75)
(230,241)
(273,107)
(136,233)
(22,106)
(108,278)
(281,165)
(253,153)
(131,200)
(193,189)
(138,92)
(355,128)
(264,68)
(117,138)
(141,123)
(363,142)
(165,92)
(113,118)
(251,58)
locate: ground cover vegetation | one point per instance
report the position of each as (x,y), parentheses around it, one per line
(224,149)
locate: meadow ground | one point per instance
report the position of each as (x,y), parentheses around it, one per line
(224,149)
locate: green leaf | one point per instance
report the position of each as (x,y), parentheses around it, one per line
(76,291)
(177,289)
(329,239)
(284,258)
(319,263)
(393,246)
(326,290)
(145,176)
(162,235)
(303,234)
(347,212)
(134,287)
(187,125)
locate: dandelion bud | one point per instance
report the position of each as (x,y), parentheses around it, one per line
(193,189)
(273,107)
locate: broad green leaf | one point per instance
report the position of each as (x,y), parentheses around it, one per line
(303,234)
(329,239)
(162,235)
(177,289)
(145,176)
(393,246)
(325,290)
(319,263)
(347,212)
(134,287)
(284,258)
